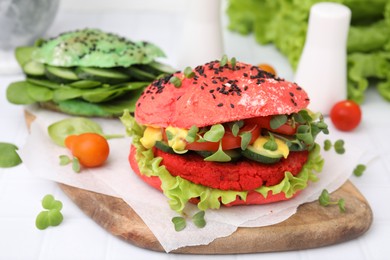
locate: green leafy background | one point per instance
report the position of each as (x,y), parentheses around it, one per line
(284,24)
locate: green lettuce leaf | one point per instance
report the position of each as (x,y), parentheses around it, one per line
(284,24)
(179,191)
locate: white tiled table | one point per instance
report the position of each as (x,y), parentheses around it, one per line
(78,237)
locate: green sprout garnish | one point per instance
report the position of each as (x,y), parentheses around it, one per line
(233,62)
(52,216)
(8,156)
(188,73)
(198,219)
(218,156)
(65,160)
(338,146)
(191,136)
(224,60)
(215,133)
(179,223)
(246,137)
(325,201)
(235,127)
(277,121)
(271,145)
(359,170)
(175,81)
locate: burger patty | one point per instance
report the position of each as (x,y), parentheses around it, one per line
(243,175)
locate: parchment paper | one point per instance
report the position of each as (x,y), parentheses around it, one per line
(116,178)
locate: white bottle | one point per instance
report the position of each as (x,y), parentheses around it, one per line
(322,68)
(201,35)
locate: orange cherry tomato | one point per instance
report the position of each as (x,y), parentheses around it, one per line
(346,115)
(91,149)
(229,141)
(267,68)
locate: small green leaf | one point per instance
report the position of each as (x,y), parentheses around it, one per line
(341,203)
(359,170)
(199,220)
(170,136)
(327,145)
(218,156)
(324,198)
(76,165)
(305,116)
(8,155)
(235,127)
(188,73)
(175,81)
(233,62)
(246,137)
(224,60)
(191,136)
(277,121)
(42,220)
(179,223)
(48,202)
(339,146)
(215,133)
(298,118)
(55,217)
(64,160)
(271,145)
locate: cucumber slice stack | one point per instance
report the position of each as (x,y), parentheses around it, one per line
(86,72)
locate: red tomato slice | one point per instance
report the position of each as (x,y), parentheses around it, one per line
(229,141)
(264,122)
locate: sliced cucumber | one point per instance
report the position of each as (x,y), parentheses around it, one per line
(60,74)
(44,83)
(110,76)
(140,74)
(163,146)
(34,68)
(85,84)
(252,154)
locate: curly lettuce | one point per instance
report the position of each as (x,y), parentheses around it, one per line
(284,24)
(179,191)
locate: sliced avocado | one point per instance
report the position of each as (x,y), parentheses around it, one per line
(95,48)
(257,152)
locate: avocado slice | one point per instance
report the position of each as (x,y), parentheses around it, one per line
(94,48)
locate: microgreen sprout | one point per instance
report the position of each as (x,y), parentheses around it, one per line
(338,146)
(188,73)
(325,201)
(245,139)
(233,62)
(8,156)
(179,223)
(52,216)
(277,121)
(235,127)
(191,135)
(65,160)
(224,60)
(215,133)
(198,220)
(218,156)
(175,81)
(271,145)
(359,170)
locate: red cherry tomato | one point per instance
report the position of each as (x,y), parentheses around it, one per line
(229,141)
(346,115)
(264,122)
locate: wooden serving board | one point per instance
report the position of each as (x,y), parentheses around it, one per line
(312,226)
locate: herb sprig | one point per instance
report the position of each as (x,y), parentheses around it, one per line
(325,201)
(198,220)
(52,216)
